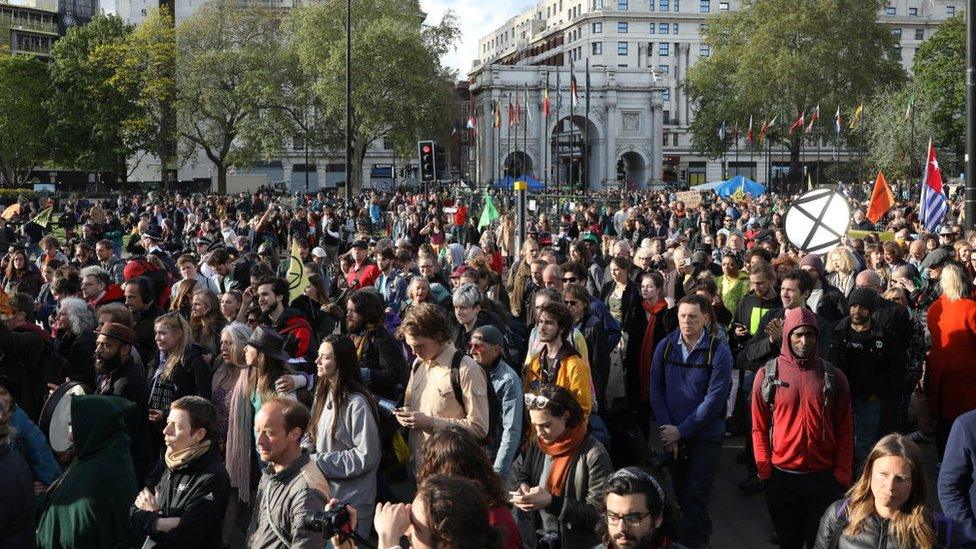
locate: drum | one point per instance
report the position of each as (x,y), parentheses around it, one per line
(56,414)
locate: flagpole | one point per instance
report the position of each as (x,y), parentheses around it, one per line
(559,127)
(585,166)
(545,137)
(818,158)
(508,139)
(525,133)
(572,127)
(735,135)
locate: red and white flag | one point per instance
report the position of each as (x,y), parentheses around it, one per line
(814,116)
(798,123)
(934,206)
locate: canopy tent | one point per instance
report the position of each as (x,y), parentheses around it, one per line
(737,183)
(707,186)
(508,182)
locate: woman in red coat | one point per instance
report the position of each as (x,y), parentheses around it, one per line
(951,372)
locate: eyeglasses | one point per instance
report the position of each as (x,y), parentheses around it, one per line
(570,279)
(633,521)
(537,402)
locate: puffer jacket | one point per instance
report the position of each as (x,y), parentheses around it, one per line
(873,535)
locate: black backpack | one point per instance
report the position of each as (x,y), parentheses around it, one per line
(494,404)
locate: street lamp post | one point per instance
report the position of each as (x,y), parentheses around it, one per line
(348,100)
(970,114)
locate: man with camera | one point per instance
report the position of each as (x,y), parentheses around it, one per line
(292,487)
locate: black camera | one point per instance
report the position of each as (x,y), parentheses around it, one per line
(330,523)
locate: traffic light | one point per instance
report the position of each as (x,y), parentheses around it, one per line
(428,161)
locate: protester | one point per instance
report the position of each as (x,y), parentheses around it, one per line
(560,478)
(343,436)
(455,452)
(379,355)
(558,362)
(88,506)
(186,508)
(17,506)
(292,486)
(690,380)
(887,506)
(637,512)
(804,444)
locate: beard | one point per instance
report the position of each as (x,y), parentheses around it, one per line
(642,542)
(107,365)
(354,326)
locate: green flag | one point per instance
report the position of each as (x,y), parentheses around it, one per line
(43,219)
(489,213)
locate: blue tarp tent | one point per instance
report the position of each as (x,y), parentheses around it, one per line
(747,185)
(508,182)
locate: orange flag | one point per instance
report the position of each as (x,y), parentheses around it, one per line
(881,199)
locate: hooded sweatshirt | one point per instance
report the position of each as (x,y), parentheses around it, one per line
(89,505)
(807,436)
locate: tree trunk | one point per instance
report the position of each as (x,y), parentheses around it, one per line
(221,178)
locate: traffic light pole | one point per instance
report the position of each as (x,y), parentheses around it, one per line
(520,187)
(348,101)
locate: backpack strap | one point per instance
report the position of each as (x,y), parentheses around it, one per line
(456,378)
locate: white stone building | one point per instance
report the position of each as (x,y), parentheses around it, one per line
(638,52)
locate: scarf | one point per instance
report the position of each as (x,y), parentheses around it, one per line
(362,339)
(237,452)
(186,455)
(647,344)
(562,452)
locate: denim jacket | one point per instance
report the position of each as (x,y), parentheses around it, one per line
(508,389)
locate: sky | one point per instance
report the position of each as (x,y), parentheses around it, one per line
(475,18)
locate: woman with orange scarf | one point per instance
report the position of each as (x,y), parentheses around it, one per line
(659,324)
(561,476)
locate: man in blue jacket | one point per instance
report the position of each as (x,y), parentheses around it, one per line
(690,378)
(957,489)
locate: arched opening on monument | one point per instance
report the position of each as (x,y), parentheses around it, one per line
(572,154)
(631,170)
(518,164)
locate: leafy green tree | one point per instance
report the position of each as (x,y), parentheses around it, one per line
(143,68)
(227,55)
(897,135)
(23,119)
(783,57)
(400,89)
(939,69)
(88,114)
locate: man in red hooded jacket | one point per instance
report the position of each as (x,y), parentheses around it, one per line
(806,461)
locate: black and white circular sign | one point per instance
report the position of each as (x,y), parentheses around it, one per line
(817,221)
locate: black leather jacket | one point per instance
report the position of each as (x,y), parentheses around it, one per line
(873,535)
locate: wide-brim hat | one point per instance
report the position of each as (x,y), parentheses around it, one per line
(269,342)
(117,331)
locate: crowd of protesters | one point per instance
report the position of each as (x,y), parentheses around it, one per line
(268,370)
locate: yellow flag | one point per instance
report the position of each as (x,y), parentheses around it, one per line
(297,274)
(856,117)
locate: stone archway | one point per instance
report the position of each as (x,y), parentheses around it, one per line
(517,164)
(574,152)
(632,169)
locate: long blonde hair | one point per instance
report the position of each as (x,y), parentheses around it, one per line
(912,527)
(952,281)
(174,322)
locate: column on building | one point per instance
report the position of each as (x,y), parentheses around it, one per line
(610,174)
(656,168)
(543,156)
(286,171)
(488,160)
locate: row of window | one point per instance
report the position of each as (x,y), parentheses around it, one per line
(704,6)
(623,27)
(663,50)
(919,34)
(912,12)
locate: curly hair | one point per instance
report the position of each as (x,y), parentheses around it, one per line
(454,451)
(457,512)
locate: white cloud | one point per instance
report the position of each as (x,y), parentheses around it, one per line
(475,18)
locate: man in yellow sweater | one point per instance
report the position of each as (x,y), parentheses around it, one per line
(558,362)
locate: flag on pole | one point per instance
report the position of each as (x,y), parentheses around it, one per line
(856,117)
(721,132)
(43,219)
(518,108)
(573,88)
(766,125)
(749,133)
(814,116)
(798,123)
(545,99)
(488,213)
(911,106)
(511,112)
(837,121)
(934,206)
(528,111)
(497,115)
(882,199)
(297,273)
(735,133)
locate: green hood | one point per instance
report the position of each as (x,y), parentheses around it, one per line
(98,425)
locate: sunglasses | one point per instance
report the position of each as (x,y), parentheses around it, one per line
(572,302)
(570,279)
(537,402)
